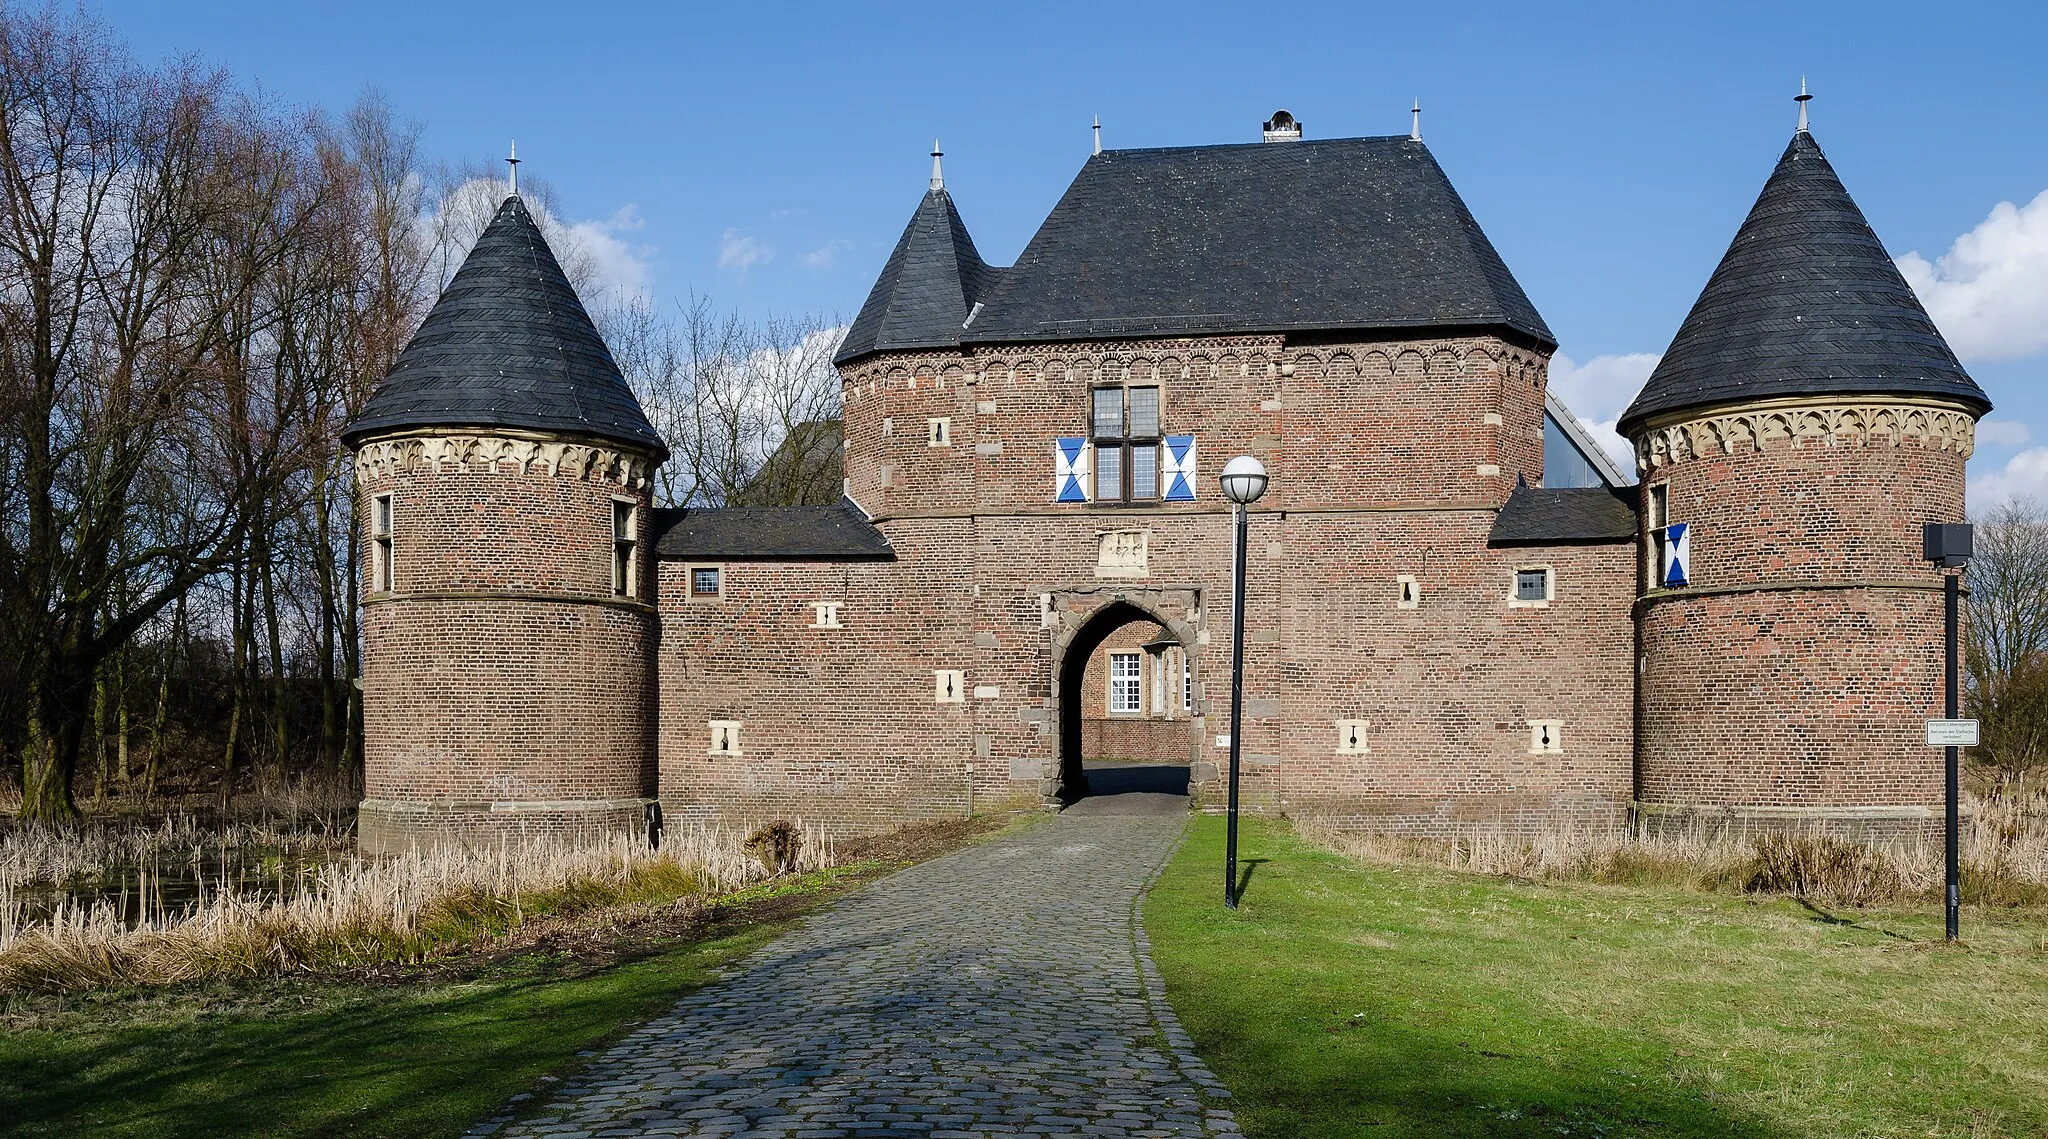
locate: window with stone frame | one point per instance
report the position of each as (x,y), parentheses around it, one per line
(1659,495)
(1126,683)
(1124,427)
(625,546)
(706,583)
(381,571)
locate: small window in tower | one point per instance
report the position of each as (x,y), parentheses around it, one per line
(381,573)
(949,686)
(1546,737)
(1351,737)
(1126,683)
(725,737)
(1532,587)
(828,615)
(1408,592)
(938,432)
(1658,506)
(707,583)
(625,548)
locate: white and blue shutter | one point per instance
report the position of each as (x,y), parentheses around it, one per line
(1179,472)
(1070,469)
(1677,554)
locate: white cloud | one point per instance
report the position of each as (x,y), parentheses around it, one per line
(823,256)
(1989,292)
(1599,390)
(2002,432)
(620,268)
(738,251)
(2025,475)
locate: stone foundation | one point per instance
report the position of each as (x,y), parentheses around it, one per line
(1468,815)
(393,826)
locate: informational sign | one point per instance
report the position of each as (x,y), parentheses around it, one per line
(1951,733)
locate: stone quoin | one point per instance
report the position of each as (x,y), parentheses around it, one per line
(1460,615)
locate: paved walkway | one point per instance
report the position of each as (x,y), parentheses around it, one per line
(1002,990)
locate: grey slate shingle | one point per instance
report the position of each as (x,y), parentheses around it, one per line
(1336,234)
(1805,302)
(1565,516)
(508,345)
(838,533)
(927,287)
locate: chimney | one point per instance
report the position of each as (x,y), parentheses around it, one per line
(1283,127)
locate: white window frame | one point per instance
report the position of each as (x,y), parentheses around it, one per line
(1516,601)
(383,521)
(949,686)
(827,615)
(1407,592)
(690,590)
(1354,737)
(725,732)
(1546,737)
(938,432)
(1130,700)
(1187,682)
(1657,508)
(626,549)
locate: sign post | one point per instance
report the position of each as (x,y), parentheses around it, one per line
(1948,546)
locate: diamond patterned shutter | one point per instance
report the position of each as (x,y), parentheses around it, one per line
(1070,470)
(1677,554)
(1178,471)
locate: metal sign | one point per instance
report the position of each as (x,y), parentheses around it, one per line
(1951,733)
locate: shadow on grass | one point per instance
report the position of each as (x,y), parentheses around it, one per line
(1244,880)
(1826,918)
(364,1062)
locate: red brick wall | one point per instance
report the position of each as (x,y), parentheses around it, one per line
(1796,669)
(502,668)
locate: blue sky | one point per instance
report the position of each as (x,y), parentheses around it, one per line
(768,154)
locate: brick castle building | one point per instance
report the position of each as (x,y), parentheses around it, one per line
(1459,614)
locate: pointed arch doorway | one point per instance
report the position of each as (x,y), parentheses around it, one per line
(1157,681)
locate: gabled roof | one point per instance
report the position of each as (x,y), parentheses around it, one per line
(1338,234)
(1805,302)
(509,345)
(1570,516)
(927,287)
(839,533)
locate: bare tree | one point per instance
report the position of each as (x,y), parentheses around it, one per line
(2006,654)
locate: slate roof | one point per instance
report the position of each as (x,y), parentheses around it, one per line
(1571,516)
(838,533)
(1335,234)
(508,345)
(927,287)
(1805,302)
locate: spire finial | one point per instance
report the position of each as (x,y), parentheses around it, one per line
(1098,134)
(1802,99)
(938,178)
(1415,124)
(512,163)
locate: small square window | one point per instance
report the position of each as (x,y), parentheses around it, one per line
(938,432)
(725,737)
(828,615)
(1546,737)
(949,686)
(1532,587)
(706,583)
(1407,592)
(1351,737)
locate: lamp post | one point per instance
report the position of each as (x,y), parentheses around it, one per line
(1244,480)
(1948,546)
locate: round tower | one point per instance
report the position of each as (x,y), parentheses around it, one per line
(509,625)
(1805,423)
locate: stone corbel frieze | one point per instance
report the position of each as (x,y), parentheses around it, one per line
(1858,424)
(491,453)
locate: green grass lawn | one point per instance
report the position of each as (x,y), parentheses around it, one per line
(1353,999)
(312,1057)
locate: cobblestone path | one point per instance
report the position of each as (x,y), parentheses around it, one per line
(1001,990)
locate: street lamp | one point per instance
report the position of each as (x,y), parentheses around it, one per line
(1244,480)
(1948,546)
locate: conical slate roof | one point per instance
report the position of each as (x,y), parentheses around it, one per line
(927,288)
(509,345)
(1805,302)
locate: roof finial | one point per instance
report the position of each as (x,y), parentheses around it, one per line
(938,178)
(1098,134)
(1802,99)
(1415,124)
(512,163)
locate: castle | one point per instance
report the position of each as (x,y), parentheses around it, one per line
(1438,637)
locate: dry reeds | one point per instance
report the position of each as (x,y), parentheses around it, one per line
(2004,858)
(355,912)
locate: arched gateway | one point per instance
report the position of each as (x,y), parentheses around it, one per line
(1435,640)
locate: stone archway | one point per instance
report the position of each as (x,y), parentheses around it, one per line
(1083,619)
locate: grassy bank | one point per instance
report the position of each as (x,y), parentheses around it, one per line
(420,1048)
(1351,998)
